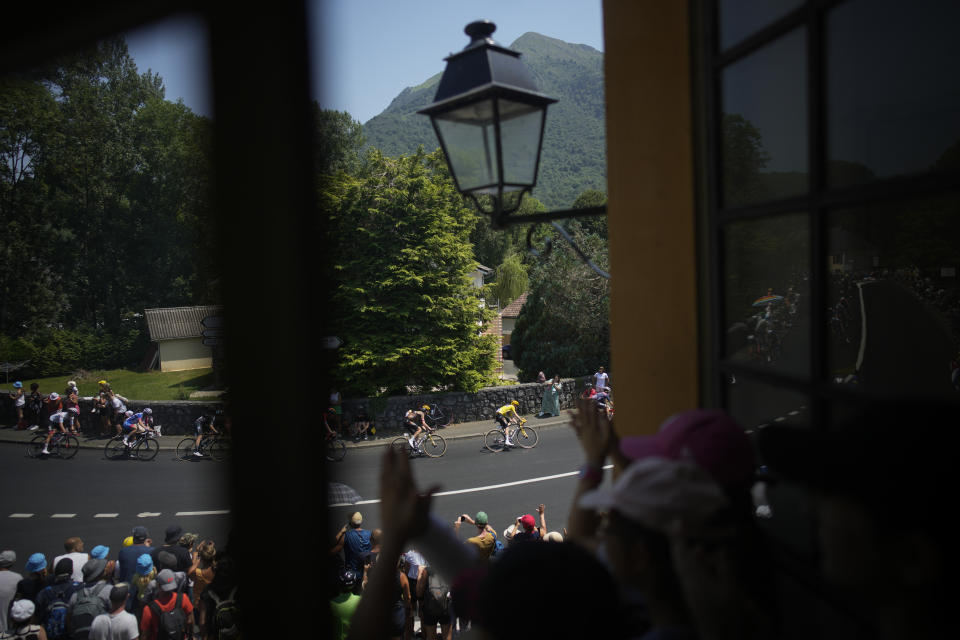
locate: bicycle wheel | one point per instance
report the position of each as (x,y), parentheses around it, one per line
(185,449)
(439,420)
(526,437)
(147,449)
(434,445)
(335,450)
(219,448)
(494,440)
(115,449)
(401,445)
(67,447)
(35,446)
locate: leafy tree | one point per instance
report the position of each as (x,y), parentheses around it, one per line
(403,302)
(743,159)
(339,140)
(510,280)
(564,327)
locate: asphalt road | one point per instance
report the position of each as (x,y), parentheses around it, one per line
(46,501)
(471,479)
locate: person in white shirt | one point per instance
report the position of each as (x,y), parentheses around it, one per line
(118,624)
(74,551)
(601,380)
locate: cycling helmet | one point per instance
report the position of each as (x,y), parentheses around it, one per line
(127,413)
(148,411)
(515,403)
(54,396)
(425,407)
(218,412)
(347,579)
(74,409)
(18,385)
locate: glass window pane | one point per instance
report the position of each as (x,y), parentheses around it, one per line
(765,280)
(468,139)
(894,297)
(893,91)
(764,123)
(740,18)
(520,127)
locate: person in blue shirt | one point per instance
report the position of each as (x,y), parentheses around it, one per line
(355,541)
(139,422)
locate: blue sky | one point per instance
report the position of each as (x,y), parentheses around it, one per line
(365,52)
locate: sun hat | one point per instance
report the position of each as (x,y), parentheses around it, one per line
(93,569)
(72,383)
(7,558)
(674,497)
(17,385)
(553,536)
(22,610)
(36,563)
(166,580)
(54,396)
(708,437)
(144,564)
(481,517)
(100,551)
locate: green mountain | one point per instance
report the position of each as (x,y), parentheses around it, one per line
(574,147)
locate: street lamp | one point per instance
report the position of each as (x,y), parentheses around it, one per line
(489,119)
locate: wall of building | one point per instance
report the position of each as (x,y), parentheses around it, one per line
(183,354)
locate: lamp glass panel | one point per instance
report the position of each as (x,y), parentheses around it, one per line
(520,127)
(467,134)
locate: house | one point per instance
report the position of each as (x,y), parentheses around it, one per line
(178,336)
(508,319)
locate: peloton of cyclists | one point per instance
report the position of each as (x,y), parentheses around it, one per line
(505,415)
(137,423)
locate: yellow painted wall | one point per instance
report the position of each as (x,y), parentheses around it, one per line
(650,212)
(184,353)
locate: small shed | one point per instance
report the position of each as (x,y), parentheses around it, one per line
(178,334)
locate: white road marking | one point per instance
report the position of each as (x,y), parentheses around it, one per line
(202,513)
(780,419)
(147,514)
(63,515)
(863,327)
(486,488)
(794,413)
(20,515)
(106,515)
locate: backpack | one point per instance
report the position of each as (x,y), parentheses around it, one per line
(497,548)
(56,622)
(35,403)
(436,602)
(171,625)
(226,615)
(86,607)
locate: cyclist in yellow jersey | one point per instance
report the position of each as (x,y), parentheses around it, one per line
(505,415)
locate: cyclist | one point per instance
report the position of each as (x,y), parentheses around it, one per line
(137,422)
(57,416)
(416,421)
(505,415)
(204,423)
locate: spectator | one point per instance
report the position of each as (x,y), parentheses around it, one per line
(369,558)
(169,598)
(19,404)
(34,406)
(433,594)
(486,539)
(551,398)
(362,422)
(140,584)
(541,378)
(90,600)
(117,624)
(100,551)
(8,585)
(166,560)
(601,380)
(220,608)
(74,551)
(52,601)
(201,570)
(129,555)
(336,404)
(22,614)
(525,529)
(171,544)
(355,541)
(103,411)
(588,392)
(118,409)
(343,606)
(36,580)
(413,565)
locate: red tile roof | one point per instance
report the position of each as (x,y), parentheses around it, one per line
(512,310)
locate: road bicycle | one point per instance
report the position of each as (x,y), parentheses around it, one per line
(436,418)
(62,445)
(214,446)
(430,444)
(520,436)
(144,446)
(334,448)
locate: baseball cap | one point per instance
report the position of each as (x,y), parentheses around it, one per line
(100,551)
(54,396)
(708,437)
(481,517)
(173,534)
(528,522)
(356,519)
(36,563)
(674,497)
(22,610)
(140,533)
(64,567)
(144,564)
(93,568)
(7,558)
(166,580)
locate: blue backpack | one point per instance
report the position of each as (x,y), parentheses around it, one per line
(56,623)
(497,548)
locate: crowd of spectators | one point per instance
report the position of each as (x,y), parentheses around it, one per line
(182,588)
(35,409)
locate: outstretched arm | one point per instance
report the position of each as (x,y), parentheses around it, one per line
(542,510)
(597,440)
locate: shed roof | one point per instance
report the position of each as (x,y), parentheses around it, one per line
(512,310)
(178,322)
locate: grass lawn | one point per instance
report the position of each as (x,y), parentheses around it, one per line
(134,385)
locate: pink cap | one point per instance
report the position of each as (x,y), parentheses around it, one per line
(528,522)
(709,437)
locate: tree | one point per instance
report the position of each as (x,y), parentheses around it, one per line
(403,302)
(564,327)
(510,280)
(339,139)
(743,159)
